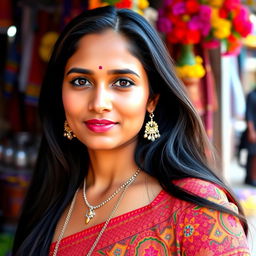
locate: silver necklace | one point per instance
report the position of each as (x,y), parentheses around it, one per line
(65,224)
(104,226)
(91,208)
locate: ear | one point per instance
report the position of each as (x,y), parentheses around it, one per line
(152,102)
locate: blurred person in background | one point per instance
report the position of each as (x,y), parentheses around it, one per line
(251,138)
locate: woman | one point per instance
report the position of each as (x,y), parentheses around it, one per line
(130,175)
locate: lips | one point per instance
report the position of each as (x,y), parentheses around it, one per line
(99,125)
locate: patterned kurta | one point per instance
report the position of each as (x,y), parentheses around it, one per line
(167,226)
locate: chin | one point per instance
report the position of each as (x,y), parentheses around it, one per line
(108,144)
(101,144)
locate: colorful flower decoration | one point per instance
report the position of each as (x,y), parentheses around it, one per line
(230,23)
(184,22)
(207,21)
(210,22)
(189,65)
(138,5)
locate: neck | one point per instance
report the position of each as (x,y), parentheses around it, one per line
(113,167)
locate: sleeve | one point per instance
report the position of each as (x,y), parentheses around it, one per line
(201,231)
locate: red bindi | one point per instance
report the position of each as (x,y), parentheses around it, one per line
(100,67)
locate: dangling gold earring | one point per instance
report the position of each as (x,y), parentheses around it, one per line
(68,131)
(151,129)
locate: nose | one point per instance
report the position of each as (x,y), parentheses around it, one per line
(100,100)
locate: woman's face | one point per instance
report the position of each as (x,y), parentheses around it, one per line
(105,92)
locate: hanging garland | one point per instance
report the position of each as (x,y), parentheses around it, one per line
(136,5)
(206,21)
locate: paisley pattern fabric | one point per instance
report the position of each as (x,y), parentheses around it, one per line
(167,226)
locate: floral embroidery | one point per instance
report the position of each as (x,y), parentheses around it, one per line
(167,227)
(232,221)
(151,246)
(189,229)
(117,252)
(151,251)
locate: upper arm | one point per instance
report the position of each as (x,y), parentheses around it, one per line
(203,231)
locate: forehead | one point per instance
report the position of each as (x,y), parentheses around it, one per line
(108,48)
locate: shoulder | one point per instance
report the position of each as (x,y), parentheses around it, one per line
(215,232)
(207,190)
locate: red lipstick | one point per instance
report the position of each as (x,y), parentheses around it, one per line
(99,125)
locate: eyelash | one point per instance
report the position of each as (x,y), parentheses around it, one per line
(76,82)
(131,83)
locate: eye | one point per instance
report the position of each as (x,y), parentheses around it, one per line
(80,82)
(123,83)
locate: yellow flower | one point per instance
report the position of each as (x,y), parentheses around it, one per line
(191,71)
(222,28)
(216,3)
(143,4)
(139,12)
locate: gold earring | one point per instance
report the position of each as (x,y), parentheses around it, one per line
(68,131)
(151,129)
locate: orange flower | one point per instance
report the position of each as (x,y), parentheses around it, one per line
(189,229)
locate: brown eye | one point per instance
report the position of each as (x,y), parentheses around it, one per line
(79,82)
(124,83)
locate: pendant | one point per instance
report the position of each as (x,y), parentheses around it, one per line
(89,215)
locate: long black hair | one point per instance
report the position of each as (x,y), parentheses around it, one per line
(62,165)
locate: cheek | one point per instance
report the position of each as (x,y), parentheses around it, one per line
(135,105)
(71,103)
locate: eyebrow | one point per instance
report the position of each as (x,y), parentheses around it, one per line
(80,70)
(112,72)
(122,72)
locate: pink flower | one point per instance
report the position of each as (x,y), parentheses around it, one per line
(167,3)
(232,4)
(151,251)
(241,22)
(195,23)
(243,12)
(201,21)
(205,12)
(164,25)
(206,29)
(179,8)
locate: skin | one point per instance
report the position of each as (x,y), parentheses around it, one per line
(121,98)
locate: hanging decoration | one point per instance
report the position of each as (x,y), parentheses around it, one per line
(184,22)
(190,69)
(189,65)
(120,4)
(205,21)
(5,13)
(46,45)
(136,5)
(230,23)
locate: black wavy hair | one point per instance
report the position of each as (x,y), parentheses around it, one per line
(180,152)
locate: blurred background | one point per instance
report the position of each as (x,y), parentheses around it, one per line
(212,42)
